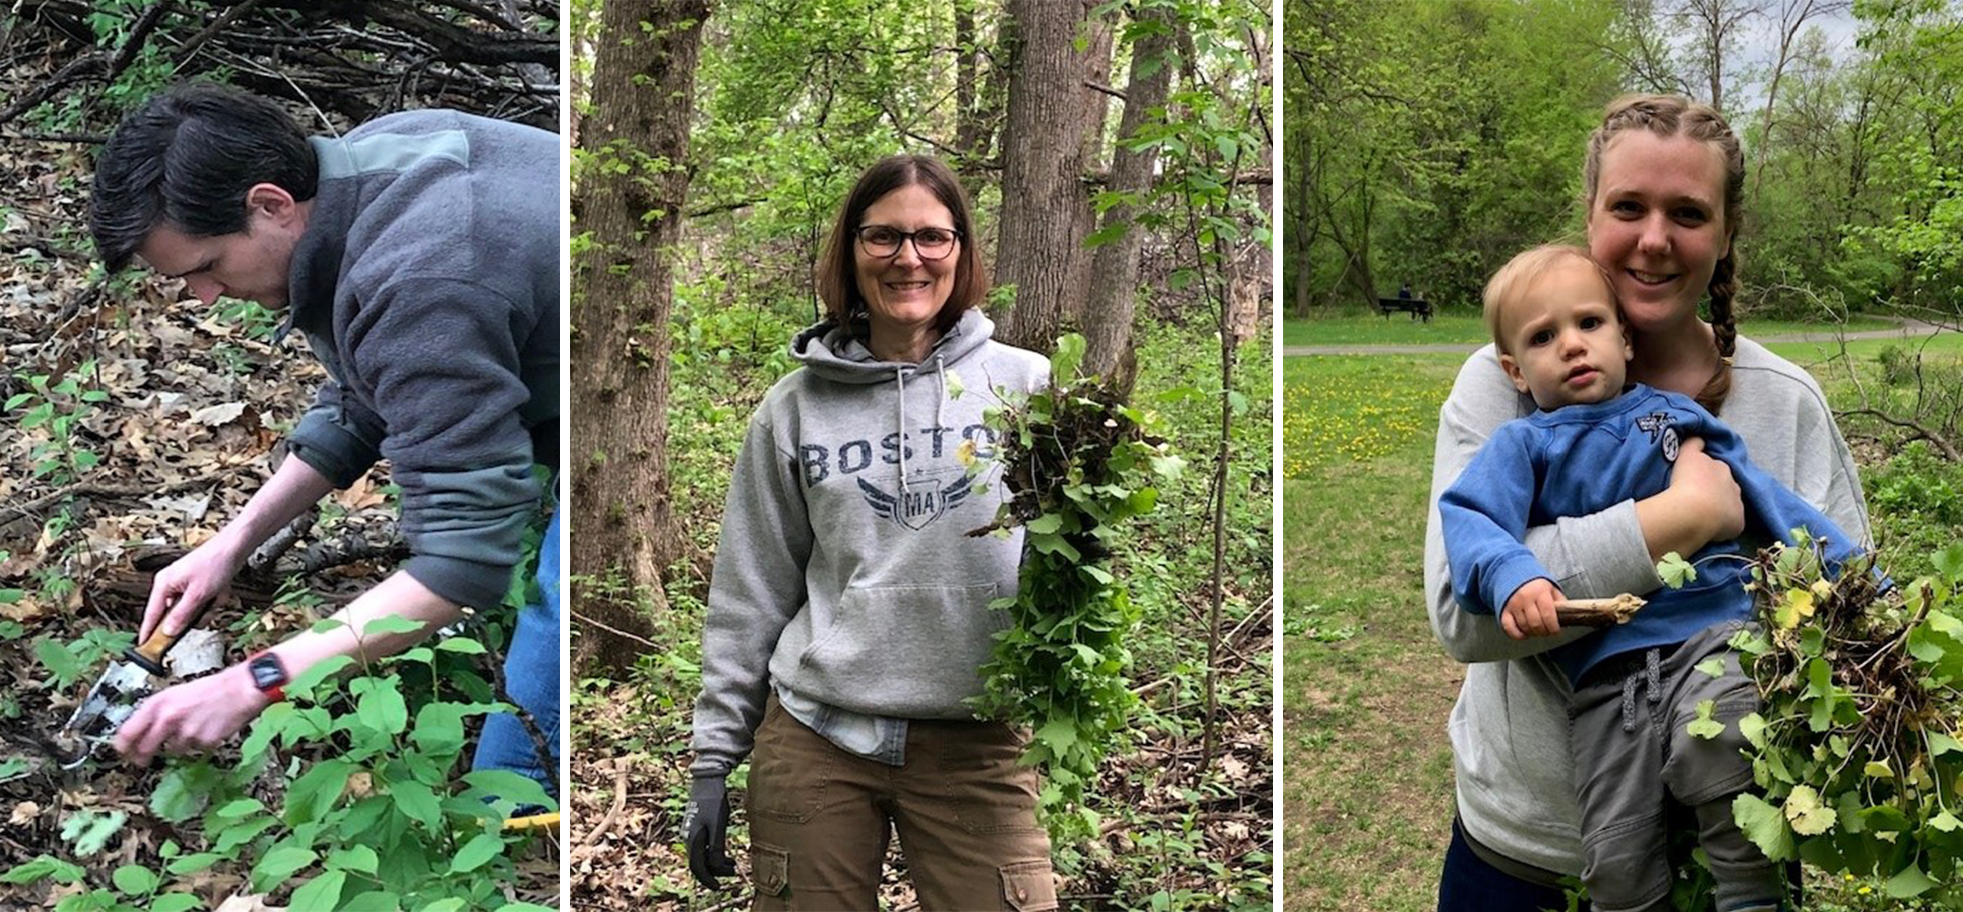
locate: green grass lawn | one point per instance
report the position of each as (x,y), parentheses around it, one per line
(1367,786)
(1461,325)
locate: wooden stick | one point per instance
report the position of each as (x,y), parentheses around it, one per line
(1598,612)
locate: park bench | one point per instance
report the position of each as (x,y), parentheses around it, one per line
(1416,307)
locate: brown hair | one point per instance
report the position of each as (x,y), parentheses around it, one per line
(1505,285)
(838,284)
(1675,115)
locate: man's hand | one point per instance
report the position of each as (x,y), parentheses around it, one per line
(1530,610)
(191,718)
(192,581)
(705,829)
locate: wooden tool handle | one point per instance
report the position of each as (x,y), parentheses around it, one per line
(150,653)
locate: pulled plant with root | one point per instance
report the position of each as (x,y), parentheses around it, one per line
(1855,750)
(1077,462)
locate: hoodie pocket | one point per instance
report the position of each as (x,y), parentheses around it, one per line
(908,651)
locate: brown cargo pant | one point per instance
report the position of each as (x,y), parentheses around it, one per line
(820,819)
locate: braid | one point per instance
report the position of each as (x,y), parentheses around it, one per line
(1724,286)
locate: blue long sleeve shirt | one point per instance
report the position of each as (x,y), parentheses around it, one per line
(1581,459)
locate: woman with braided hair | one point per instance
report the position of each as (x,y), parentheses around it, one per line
(1662,185)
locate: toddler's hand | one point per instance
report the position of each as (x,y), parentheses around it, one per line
(1530,610)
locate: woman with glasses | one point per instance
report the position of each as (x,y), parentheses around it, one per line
(849,611)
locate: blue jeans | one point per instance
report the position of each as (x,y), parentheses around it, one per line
(1469,884)
(531,677)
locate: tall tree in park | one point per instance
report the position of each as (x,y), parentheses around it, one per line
(1113,287)
(1042,167)
(629,198)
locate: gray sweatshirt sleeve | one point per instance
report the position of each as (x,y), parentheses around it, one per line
(337,437)
(441,359)
(1594,556)
(757,587)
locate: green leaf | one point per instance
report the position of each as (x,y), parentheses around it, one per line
(353,858)
(306,681)
(193,863)
(135,880)
(416,801)
(90,832)
(1805,812)
(1704,726)
(279,863)
(1713,666)
(13,768)
(1753,728)
(323,892)
(481,848)
(439,728)
(1045,524)
(311,795)
(58,659)
(1069,353)
(1059,734)
(379,704)
(1907,882)
(175,902)
(1949,562)
(239,808)
(391,623)
(1946,822)
(1675,571)
(42,867)
(461,645)
(1764,825)
(1940,744)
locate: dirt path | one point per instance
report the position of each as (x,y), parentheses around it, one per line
(1909,328)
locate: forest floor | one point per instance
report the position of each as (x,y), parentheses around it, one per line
(137,422)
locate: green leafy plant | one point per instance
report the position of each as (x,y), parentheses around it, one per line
(1855,749)
(1077,463)
(56,407)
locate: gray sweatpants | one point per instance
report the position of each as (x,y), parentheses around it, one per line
(1631,752)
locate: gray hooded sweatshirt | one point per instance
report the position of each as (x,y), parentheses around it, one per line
(427,283)
(845,576)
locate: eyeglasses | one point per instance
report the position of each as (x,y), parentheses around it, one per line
(884,241)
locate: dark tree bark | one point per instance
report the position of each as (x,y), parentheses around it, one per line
(1042,167)
(1097,36)
(643,87)
(1113,294)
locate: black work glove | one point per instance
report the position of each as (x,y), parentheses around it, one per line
(705,829)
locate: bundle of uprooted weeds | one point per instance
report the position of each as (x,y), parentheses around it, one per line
(1077,462)
(1856,754)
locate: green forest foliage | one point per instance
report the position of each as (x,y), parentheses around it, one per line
(1428,142)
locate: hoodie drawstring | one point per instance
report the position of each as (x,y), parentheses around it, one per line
(1651,674)
(900,377)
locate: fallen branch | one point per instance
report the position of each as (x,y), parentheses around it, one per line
(614,630)
(619,801)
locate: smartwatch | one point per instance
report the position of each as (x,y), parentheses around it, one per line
(269,675)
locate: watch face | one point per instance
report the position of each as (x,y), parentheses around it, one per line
(267,672)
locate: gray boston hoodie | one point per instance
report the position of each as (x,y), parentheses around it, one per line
(845,576)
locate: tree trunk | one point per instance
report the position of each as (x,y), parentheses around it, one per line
(1096,58)
(1042,167)
(1113,292)
(643,87)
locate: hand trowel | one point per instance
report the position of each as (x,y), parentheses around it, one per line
(116,694)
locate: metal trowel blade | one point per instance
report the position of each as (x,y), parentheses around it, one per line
(110,702)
